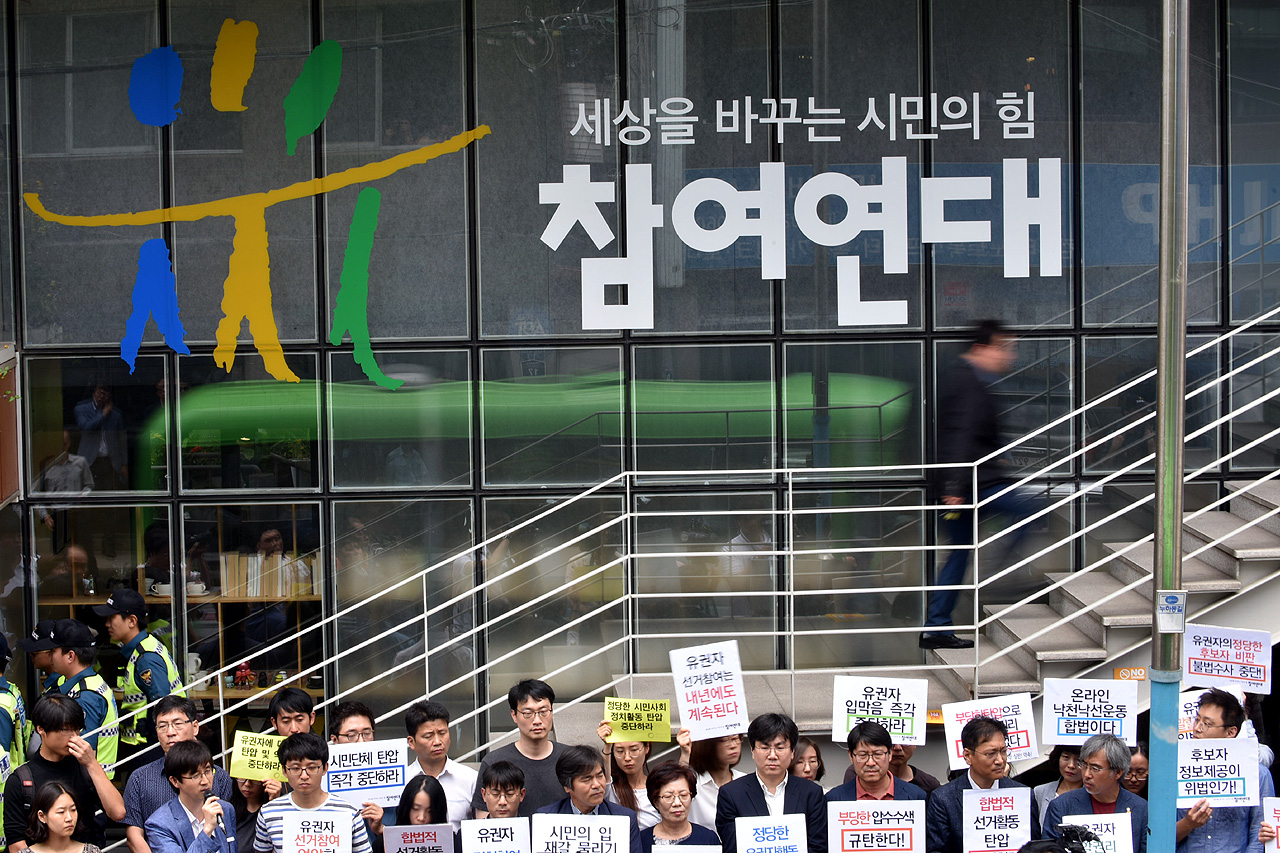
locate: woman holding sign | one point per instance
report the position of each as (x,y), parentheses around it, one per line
(670,789)
(714,761)
(627,764)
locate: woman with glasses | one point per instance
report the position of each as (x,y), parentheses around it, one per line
(1070,777)
(627,765)
(1135,780)
(713,760)
(671,789)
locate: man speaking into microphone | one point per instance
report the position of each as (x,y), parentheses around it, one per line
(194,821)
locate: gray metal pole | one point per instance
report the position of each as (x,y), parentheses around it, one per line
(1166,648)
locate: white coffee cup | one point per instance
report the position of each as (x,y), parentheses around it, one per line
(193,662)
(162,589)
(195,588)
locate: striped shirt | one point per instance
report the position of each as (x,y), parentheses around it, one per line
(269,837)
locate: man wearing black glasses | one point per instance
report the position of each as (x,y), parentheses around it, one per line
(534,753)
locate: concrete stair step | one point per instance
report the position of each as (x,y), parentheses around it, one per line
(1066,643)
(1130,609)
(1250,545)
(1197,575)
(998,677)
(1250,501)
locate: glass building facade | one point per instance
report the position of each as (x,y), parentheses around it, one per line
(806,204)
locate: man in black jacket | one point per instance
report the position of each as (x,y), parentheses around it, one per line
(969,430)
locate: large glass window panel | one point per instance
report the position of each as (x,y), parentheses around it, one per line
(535,63)
(1250,388)
(703,408)
(225,154)
(83,152)
(1110,363)
(417,436)
(853,405)
(1120,97)
(551,415)
(700,574)
(402,89)
(838,588)
(1036,391)
(1030,61)
(94,428)
(378,544)
(555,595)
(246,429)
(716,56)
(1253,34)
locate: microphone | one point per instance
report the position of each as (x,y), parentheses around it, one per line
(208,794)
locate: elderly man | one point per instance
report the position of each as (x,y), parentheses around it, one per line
(869,749)
(1105,760)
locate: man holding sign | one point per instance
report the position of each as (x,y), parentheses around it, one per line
(305,759)
(1204,828)
(580,770)
(1105,760)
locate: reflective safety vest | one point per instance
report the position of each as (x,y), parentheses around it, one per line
(109,737)
(11,703)
(135,696)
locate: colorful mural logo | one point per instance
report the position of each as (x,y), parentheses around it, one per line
(155,88)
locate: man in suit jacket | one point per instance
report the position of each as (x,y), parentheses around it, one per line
(1105,759)
(869,749)
(770,790)
(580,770)
(103,441)
(189,823)
(983,740)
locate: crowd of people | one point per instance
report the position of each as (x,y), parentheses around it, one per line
(60,797)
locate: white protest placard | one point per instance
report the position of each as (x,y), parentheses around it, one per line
(1115,831)
(496,835)
(997,820)
(429,838)
(1076,709)
(1013,710)
(319,831)
(1222,771)
(1271,814)
(570,833)
(901,705)
(786,834)
(857,825)
(1227,657)
(709,689)
(372,772)
(1188,705)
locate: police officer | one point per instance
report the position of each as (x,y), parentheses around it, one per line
(13,718)
(150,673)
(73,657)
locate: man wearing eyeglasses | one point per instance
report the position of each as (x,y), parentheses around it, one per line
(305,759)
(869,749)
(984,741)
(1221,829)
(771,791)
(1104,760)
(189,822)
(148,787)
(534,752)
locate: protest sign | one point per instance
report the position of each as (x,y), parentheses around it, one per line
(1115,831)
(898,704)
(431,838)
(1222,771)
(709,691)
(638,719)
(496,835)
(1188,704)
(997,820)
(318,831)
(786,834)
(1014,710)
(372,772)
(1271,814)
(1076,709)
(1227,657)
(569,833)
(255,756)
(859,825)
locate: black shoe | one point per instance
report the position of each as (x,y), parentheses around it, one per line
(944,641)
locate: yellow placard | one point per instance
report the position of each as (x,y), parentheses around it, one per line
(638,719)
(254,756)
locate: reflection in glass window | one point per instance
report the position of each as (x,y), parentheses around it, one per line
(417,436)
(703,408)
(95,428)
(1257,424)
(245,429)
